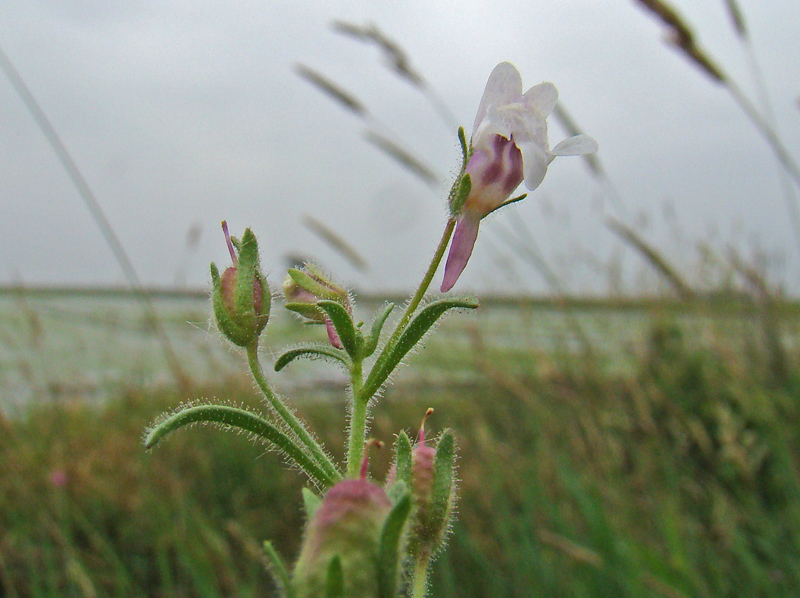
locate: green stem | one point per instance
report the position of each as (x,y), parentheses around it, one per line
(426,280)
(420,586)
(416,299)
(289,418)
(356,435)
(360,411)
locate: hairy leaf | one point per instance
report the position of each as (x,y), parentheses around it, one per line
(312,351)
(235,417)
(391,355)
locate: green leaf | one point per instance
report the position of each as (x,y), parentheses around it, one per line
(343,323)
(235,417)
(389,556)
(441,496)
(311,502)
(312,351)
(334,579)
(278,571)
(375,332)
(391,355)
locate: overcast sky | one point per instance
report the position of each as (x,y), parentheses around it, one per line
(181,113)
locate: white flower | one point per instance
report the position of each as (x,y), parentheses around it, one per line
(509,144)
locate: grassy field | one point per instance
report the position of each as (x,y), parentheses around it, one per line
(664,463)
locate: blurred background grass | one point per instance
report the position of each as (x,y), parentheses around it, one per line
(662,464)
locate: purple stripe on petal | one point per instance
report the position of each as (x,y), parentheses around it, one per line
(514,173)
(460,251)
(494,167)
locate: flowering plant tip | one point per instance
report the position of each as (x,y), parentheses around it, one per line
(509,145)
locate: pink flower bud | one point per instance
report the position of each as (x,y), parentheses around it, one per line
(348,524)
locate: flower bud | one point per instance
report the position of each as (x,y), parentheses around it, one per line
(303,288)
(241,297)
(433,493)
(347,525)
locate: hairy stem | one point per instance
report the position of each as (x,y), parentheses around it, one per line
(356,435)
(417,297)
(420,586)
(426,280)
(360,409)
(289,418)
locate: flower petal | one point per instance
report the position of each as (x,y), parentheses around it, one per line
(333,336)
(460,250)
(526,125)
(542,97)
(535,161)
(503,87)
(575,146)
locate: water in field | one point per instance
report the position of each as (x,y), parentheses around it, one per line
(67,346)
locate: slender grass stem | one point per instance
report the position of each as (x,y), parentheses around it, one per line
(781,152)
(290,419)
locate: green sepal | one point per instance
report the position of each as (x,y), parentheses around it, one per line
(235,417)
(249,274)
(240,323)
(459,194)
(313,286)
(442,495)
(374,337)
(509,202)
(334,579)
(307,310)
(403,458)
(391,355)
(227,325)
(397,491)
(278,570)
(389,554)
(311,502)
(462,140)
(351,339)
(312,351)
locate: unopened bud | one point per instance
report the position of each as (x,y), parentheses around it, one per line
(240,297)
(432,491)
(347,525)
(304,287)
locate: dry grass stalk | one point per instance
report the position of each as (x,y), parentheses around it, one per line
(737,17)
(577,552)
(346,99)
(682,37)
(653,257)
(404,157)
(394,54)
(336,242)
